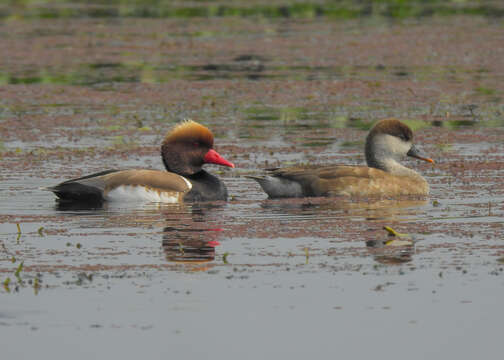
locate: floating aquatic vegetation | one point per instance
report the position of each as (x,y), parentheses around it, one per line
(394,240)
(392,232)
(36,285)
(18,233)
(6,283)
(393,9)
(17,274)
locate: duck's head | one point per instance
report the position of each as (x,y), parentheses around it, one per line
(187,147)
(390,140)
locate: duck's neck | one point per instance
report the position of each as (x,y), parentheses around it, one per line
(205,187)
(391,166)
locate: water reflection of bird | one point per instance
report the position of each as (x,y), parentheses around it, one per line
(188,246)
(387,142)
(185,149)
(370,209)
(190,240)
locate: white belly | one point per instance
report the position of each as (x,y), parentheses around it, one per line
(142,194)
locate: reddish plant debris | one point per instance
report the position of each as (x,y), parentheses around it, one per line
(86,95)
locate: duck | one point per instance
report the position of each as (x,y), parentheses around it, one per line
(185,149)
(387,143)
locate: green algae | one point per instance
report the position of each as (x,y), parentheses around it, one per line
(342,9)
(92,74)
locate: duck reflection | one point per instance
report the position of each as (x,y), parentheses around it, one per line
(189,246)
(365,209)
(190,231)
(192,240)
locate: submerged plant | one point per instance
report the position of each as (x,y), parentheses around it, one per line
(5,284)
(18,233)
(18,271)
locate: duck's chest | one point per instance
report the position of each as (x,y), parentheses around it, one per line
(206,187)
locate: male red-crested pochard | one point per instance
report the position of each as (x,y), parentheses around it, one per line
(387,142)
(185,149)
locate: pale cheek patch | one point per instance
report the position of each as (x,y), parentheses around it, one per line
(386,146)
(142,194)
(399,147)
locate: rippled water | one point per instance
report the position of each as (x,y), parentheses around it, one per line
(253,271)
(251,278)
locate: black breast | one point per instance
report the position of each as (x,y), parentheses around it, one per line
(206,187)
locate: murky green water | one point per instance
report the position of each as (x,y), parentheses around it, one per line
(250,278)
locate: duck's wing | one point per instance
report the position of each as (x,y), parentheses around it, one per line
(312,180)
(97,187)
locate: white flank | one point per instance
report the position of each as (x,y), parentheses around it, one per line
(143,194)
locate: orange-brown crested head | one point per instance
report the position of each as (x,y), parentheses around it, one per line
(189,131)
(392,127)
(187,146)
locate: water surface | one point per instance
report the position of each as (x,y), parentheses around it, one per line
(251,277)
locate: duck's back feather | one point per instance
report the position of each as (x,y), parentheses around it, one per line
(362,181)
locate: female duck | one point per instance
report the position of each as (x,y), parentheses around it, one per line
(387,142)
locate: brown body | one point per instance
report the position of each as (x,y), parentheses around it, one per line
(387,142)
(345,180)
